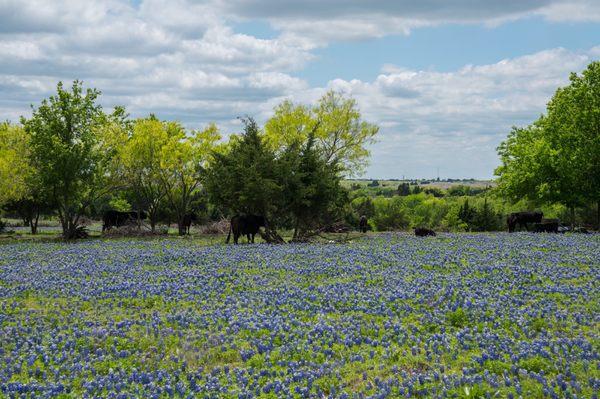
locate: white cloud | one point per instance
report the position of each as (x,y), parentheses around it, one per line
(181,59)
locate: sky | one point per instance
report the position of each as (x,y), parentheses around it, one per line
(445,80)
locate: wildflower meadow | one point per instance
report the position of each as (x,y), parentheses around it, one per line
(389,315)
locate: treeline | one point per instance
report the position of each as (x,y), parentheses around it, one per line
(72,160)
(485,211)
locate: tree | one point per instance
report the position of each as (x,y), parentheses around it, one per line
(311,189)
(403,189)
(138,164)
(20,189)
(467,214)
(67,152)
(572,130)
(183,161)
(15,168)
(340,134)
(243,178)
(557,158)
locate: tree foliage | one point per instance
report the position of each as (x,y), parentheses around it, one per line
(557,158)
(340,133)
(67,152)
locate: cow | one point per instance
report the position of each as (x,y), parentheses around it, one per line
(363,224)
(117,218)
(188,219)
(546,226)
(247,225)
(424,232)
(522,218)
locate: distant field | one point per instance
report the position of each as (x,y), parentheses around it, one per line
(388,315)
(438,184)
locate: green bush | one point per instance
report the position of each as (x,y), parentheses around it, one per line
(390,214)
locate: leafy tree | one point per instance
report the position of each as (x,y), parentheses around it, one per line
(138,164)
(572,130)
(556,159)
(67,152)
(20,188)
(15,167)
(183,161)
(340,134)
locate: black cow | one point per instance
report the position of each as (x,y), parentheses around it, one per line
(188,219)
(118,218)
(247,225)
(522,218)
(363,224)
(424,232)
(546,226)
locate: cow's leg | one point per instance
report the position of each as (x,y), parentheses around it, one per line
(252,238)
(235,237)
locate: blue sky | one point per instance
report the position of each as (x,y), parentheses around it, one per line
(446,48)
(445,80)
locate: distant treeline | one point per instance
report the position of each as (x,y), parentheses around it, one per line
(73,160)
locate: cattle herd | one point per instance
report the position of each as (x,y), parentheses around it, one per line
(249,225)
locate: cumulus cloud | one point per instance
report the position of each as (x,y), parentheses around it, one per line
(318,22)
(458,118)
(182,59)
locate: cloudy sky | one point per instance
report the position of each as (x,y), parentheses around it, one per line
(444,79)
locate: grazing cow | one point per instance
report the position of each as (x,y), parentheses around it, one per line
(522,218)
(117,219)
(546,226)
(247,225)
(423,232)
(363,224)
(188,219)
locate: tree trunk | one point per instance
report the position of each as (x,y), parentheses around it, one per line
(598,216)
(34,223)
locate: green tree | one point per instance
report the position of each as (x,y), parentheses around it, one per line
(341,135)
(242,179)
(67,152)
(572,130)
(138,165)
(403,189)
(183,161)
(20,187)
(557,158)
(311,189)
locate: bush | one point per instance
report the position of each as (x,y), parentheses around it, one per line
(2,226)
(390,214)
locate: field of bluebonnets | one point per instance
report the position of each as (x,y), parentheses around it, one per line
(483,315)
